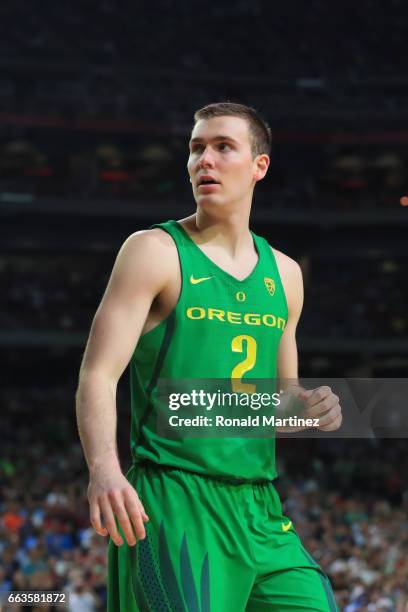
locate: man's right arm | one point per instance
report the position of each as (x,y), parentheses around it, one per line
(140,273)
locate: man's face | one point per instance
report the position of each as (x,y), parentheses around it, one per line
(221,164)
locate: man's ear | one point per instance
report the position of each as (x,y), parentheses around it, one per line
(261,166)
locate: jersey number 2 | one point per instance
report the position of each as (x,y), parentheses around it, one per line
(244,366)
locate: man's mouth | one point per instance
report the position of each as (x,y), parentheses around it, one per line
(207,180)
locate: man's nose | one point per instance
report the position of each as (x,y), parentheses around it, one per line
(206,159)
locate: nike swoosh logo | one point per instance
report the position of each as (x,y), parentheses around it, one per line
(287,526)
(195,281)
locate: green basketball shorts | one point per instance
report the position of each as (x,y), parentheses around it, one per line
(213,546)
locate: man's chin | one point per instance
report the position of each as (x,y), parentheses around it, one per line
(208,200)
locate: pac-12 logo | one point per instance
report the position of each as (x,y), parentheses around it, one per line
(270,285)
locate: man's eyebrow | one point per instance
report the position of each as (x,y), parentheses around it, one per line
(216,138)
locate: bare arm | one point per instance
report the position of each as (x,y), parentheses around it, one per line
(287,353)
(139,274)
(320,402)
(292,280)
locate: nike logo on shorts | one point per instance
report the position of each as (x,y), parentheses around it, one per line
(287,526)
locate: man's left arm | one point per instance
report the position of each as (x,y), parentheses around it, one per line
(320,403)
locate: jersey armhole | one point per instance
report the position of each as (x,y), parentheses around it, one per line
(278,275)
(173,310)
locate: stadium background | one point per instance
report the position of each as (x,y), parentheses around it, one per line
(96,103)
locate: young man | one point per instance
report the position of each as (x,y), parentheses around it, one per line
(199,298)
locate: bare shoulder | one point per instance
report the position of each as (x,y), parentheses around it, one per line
(288,267)
(147,256)
(292,281)
(152,240)
(154,245)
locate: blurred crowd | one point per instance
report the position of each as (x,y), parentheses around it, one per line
(46,542)
(53,34)
(361,298)
(52,292)
(348,500)
(140,166)
(270,52)
(120,72)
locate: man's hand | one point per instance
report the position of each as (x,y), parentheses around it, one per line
(109,493)
(323,404)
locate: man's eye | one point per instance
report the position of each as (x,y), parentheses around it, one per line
(223,146)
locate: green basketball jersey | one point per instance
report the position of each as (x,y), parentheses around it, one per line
(221,328)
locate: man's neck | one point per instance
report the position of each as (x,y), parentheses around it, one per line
(231,233)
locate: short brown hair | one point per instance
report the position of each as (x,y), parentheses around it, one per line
(260,132)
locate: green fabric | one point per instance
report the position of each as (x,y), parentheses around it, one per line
(221,328)
(213,546)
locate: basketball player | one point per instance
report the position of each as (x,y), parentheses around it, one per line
(196,524)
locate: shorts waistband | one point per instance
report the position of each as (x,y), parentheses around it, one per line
(145,463)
